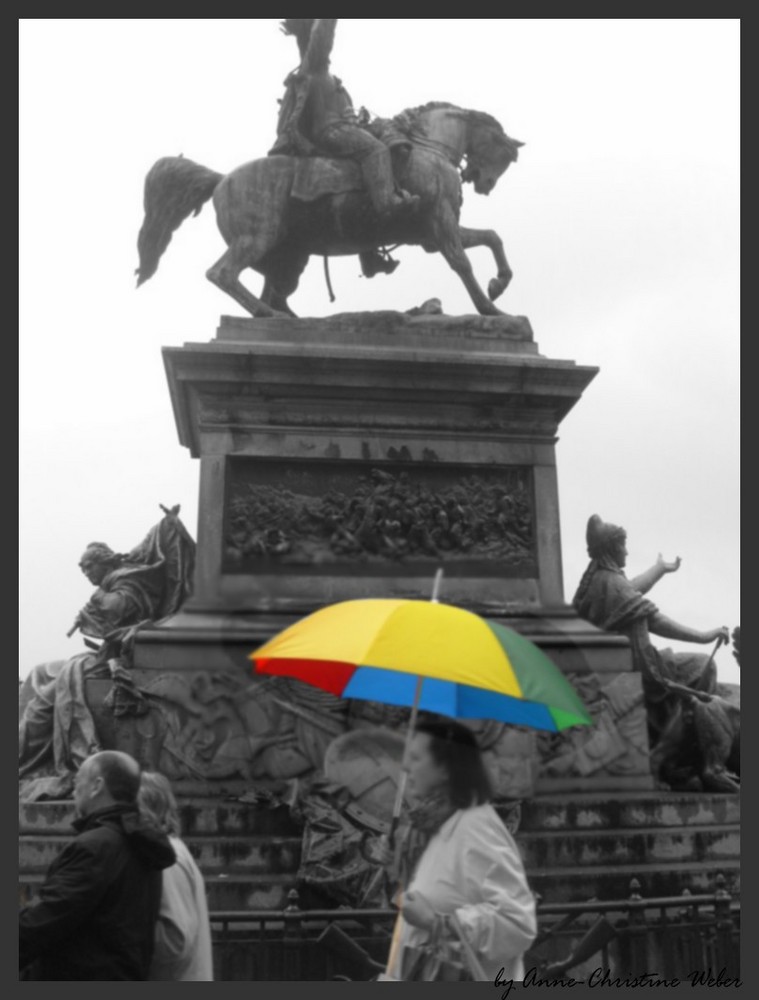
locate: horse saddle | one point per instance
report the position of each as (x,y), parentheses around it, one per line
(316,176)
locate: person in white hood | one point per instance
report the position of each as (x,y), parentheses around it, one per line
(183,932)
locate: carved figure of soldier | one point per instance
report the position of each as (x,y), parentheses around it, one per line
(690,726)
(317,117)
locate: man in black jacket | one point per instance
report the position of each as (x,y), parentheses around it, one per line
(96,912)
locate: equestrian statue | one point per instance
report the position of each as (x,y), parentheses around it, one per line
(336,183)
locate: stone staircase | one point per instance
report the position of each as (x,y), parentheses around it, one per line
(579,846)
(575,846)
(249,855)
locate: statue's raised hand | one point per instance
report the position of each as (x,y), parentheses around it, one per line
(722,633)
(75,626)
(668,567)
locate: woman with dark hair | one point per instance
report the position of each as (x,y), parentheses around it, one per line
(470,867)
(182,933)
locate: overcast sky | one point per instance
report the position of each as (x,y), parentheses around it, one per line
(620,221)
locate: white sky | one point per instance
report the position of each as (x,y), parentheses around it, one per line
(620,221)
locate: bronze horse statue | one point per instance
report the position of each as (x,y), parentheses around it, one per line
(275,212)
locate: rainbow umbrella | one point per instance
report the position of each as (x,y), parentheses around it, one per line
(427,655)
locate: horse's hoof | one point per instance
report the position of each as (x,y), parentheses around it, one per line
(266,312)
(496,287)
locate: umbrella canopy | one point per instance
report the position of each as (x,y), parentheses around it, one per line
(472,668)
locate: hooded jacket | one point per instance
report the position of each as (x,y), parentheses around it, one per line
(96,912)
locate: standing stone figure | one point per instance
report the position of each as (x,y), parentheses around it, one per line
(56,727)
(690,727)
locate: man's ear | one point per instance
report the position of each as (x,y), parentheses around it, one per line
(97,785)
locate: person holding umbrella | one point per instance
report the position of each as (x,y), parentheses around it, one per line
(441,659)
(469,883)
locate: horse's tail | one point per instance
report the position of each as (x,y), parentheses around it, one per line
(175,188)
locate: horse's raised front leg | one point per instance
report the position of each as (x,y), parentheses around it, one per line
(489,238)
(445,230)
(225,274)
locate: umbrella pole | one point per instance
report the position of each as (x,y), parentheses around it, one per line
(401,790)
(436,585)
(395,943)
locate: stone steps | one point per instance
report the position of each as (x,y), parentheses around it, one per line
(655,845)
(552,849)
(246,855)
(602,810)
(574,846)
(202,816)
(565,812)
(569,884)
(241,892)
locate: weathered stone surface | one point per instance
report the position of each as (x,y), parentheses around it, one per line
(613,750)
(554,849)
(600,810)
(332,518)
(398,329)
(420,406)
(276,212)
(217,726)
(511,760)
(577,845)
(574,845)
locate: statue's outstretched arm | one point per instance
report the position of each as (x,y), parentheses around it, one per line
(649,577)
(316,59)
(659,624)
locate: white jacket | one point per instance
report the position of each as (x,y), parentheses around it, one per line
(183,933)
(472,867)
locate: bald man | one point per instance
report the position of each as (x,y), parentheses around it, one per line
(96,912)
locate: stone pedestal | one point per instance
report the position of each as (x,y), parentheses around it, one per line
(350,457)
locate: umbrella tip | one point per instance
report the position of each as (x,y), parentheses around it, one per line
(436,584)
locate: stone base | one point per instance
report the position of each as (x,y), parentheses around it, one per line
(352,456)
(212,719)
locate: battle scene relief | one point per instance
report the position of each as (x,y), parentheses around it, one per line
(340,516)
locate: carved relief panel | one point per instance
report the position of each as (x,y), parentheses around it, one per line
(390,517)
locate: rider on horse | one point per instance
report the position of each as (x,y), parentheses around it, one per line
(317,118)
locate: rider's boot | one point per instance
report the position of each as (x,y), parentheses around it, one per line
(377,170)
(373,262)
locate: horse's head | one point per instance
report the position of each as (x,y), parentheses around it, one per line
(489,152)
(459,133)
